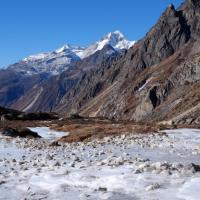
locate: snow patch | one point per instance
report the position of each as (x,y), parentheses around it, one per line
(34,101)
(144,85)
(65,47)
(48,133)
(190,190)
(36,57)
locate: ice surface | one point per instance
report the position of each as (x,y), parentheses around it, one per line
(190,189)
(48,133)
(88,171)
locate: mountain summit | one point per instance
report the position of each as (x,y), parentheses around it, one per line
(55,62)
(115,39)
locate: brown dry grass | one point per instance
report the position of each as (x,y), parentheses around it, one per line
(90,128)
(86,130)
(81,130)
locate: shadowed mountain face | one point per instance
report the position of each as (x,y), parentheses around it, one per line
(47,95)
(14,85)
(155,80)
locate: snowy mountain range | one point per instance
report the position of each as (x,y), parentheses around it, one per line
(55,62)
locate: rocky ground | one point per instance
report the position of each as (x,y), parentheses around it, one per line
(163,165)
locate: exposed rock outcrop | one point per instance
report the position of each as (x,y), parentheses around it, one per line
(24,133)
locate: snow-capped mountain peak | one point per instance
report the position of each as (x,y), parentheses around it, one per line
(116,35)
(61,59)
(69,48)
(115,39)
(36,57)
(63,48)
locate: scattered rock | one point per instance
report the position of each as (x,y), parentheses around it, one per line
(57,164)
(2,182)
(103,189)
(194,167)
(153,187)
(55,143)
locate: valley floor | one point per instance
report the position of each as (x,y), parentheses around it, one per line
(161,166)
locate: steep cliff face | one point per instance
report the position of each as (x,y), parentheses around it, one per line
(169,34)
(190,11)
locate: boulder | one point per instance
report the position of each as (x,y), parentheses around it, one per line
(10,132)
(76,116)
(195,167)
(24,133)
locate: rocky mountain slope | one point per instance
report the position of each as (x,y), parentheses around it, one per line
(13,85)
(48,94)
(158,78)
(153,81)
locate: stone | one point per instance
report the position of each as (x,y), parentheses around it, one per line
(153,187)
(57,164)
(194,167)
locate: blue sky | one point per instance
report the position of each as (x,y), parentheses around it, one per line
(33,26)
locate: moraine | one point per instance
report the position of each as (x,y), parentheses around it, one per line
(153,166)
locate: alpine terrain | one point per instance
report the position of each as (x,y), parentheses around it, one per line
(116,120)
